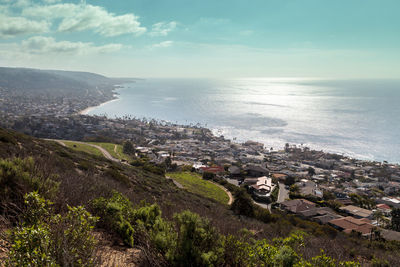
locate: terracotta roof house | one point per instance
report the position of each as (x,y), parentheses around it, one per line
(349,224)
(384,208)
(297,205)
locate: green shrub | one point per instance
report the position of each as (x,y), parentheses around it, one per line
(73,240)
(31,246)
(48,239)
(19,176)
(208,175)
(198,243)
(116,213)
(243,204)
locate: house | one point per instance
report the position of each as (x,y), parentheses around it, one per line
(260,187)
(385,209)
(214,169)
(297,205)
(280,177)
(234,171)
(349,224)
(357,212)
(326,218)
(256,171)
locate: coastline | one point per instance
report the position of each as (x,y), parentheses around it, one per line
(114,98)
(88,109)
(218,132)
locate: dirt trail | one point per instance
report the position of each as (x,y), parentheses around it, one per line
(226,191)
(111,254)
(175,182)
(105,153)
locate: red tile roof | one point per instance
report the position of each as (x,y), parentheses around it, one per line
(348,224)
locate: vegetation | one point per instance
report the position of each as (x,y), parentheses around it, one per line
(396,219)
(48,239)
(83,147)
(115,150)
(157,230)
(128,148)
(275,193)
(195,184)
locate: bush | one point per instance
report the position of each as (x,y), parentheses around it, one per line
(243,204)
(118,215)
(47,239)
(73,240)
(31,246)
(115,213)
(18,177)
(208,175)
(198,243)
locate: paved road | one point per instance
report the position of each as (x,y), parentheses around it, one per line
(283,193)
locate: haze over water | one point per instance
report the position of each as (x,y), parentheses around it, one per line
(356,118)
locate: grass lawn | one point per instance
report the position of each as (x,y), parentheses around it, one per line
(195,184)
(118,154)
(83,147)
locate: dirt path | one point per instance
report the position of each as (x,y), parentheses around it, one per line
(110,254)
(102,150)
(175,182)
(226,191)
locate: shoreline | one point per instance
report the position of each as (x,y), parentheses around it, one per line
(114,98)
(216,132)
(88,109)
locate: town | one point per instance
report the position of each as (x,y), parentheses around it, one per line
(349,194)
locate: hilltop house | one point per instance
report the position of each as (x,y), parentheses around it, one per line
(260,187)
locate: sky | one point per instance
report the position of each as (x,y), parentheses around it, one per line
(207,38)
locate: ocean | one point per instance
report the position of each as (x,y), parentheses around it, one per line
(357,118)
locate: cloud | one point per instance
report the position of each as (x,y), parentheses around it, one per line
(14,26)
(81,17)
(48,45)
(163,28)
(162,44)
(51,1)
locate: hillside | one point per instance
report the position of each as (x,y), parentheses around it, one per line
(23,79)
(83,177)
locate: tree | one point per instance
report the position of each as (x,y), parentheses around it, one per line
(128,148)
(378,216)
(396,219)
(294,189)
(243,204)
(311,171)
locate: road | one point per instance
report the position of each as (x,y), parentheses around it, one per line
(283,193)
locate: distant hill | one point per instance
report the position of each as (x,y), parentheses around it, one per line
(24,79)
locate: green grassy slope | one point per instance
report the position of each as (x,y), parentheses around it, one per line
(195,184)
(82,147)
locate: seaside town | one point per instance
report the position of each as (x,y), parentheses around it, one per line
(352,195)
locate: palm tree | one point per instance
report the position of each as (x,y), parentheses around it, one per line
(378,216)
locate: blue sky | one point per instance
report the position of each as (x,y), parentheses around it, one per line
(208,38)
